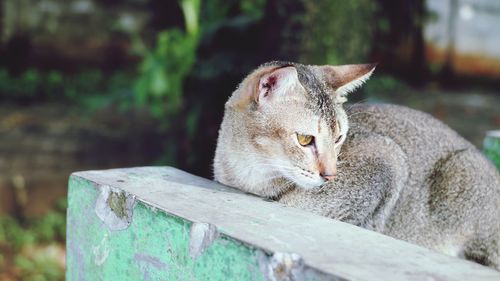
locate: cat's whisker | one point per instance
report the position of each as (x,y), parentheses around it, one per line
(258,157)
(350,106)
(277,167)
(265,162)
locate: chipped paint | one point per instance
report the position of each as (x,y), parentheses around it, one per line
(114,208)
(101,251)
(154,245)
(201,236)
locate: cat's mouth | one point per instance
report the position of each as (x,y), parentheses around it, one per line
(305,179)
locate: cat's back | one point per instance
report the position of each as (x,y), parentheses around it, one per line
(427,143)
(450,183)
(417,133)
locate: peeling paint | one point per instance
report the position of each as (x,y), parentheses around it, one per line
(201,236)
(154,246)
(114,208)
(101,251)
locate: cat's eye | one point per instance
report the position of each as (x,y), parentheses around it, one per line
(338,139)
(305,140)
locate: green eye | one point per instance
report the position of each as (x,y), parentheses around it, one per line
(305,140)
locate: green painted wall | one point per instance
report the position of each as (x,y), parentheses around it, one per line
(492,147)
(155,246)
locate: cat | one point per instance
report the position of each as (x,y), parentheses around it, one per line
(286,136)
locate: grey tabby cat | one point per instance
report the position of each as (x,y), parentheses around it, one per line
(400,171)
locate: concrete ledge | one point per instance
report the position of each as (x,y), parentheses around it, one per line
(159,223)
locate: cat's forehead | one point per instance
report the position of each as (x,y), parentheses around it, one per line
(298,117)
(317,93)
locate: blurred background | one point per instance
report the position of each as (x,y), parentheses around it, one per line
(96,84)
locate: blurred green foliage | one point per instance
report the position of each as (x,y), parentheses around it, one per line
(338,32)
(173,59)
(165,66)
(383,86)
(50,227)
(25,245)
(13,234)
(92,88)
(38,268)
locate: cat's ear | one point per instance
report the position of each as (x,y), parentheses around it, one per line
(275,84)
(344,79)
(263,85)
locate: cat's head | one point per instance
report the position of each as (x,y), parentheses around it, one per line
(285,123)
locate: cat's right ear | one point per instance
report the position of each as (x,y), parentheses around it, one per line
(264,85)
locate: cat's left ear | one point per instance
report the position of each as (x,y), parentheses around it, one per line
(344,79)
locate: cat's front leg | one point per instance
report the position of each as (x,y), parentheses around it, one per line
(366,188)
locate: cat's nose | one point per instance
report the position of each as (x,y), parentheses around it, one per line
(327,169)
(328,176)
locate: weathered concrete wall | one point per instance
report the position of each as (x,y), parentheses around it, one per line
(164,224)
(151,245)
(464,34)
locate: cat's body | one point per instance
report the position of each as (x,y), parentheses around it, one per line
(407,175)
(399,171)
